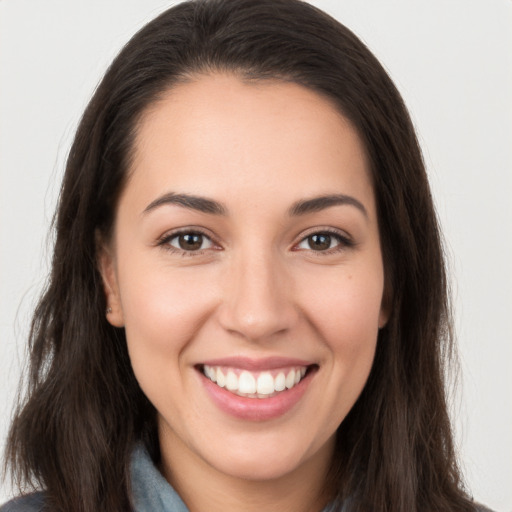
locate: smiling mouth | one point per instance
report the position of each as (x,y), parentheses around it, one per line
(250,384)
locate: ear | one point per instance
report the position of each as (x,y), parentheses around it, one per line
(107,268)
(386,305)
(383,317)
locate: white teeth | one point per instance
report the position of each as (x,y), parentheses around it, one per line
(280,382)
(221,379)
(210,373)
(246,383)
(265,384)
(231,381)
(290,379)
(254,384)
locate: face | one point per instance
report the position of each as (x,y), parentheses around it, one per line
(246,268)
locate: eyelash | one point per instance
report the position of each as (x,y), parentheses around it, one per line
(344,242)
(165,242)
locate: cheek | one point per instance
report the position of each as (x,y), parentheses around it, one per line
(346,318)
(163,311)
(344,309)
(346,304)
(162,308)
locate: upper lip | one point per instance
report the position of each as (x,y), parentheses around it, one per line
(251,364)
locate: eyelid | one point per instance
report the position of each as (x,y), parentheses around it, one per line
(163,241)
(345,240)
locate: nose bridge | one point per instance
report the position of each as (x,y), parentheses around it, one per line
(258,301)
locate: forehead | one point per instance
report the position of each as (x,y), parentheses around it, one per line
(218,135)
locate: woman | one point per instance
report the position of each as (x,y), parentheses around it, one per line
(247,307)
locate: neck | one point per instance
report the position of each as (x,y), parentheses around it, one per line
(204,489)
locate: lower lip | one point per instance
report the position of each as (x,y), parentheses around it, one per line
(256,409)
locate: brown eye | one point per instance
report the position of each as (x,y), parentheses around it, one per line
(190,241)
(324,242)
(319,241)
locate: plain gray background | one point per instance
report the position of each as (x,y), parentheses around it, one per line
(452,61)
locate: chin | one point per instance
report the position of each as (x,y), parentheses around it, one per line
(262,460)
(258,468)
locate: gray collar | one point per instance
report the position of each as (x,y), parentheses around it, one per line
(150,490)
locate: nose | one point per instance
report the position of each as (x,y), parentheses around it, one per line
(258,298)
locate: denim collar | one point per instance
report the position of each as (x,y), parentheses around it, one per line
(150,490)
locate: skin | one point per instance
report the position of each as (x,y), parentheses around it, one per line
(258,289)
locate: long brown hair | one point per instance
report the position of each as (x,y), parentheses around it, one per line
(83,410)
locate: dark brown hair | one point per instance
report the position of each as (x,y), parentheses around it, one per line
(83,411)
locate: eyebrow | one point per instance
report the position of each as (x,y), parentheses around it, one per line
(198,203)
(212,207)
(317,204)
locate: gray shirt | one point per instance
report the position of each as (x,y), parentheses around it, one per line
(150,491)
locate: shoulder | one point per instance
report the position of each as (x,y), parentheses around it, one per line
(30,503)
